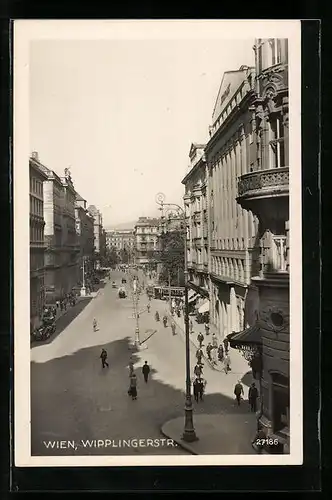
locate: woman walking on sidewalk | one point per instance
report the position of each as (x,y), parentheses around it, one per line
(133,387)
(227,364)
(173,326)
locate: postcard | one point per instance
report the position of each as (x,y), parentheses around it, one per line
(157,242)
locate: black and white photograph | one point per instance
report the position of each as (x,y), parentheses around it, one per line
(157,242)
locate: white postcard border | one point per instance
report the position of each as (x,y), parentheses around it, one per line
(28,30)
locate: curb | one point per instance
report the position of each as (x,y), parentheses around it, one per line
(180,442)
(149,336)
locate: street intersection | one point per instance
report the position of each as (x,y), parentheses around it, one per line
(74,401)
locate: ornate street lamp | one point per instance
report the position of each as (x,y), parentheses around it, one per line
(189,433)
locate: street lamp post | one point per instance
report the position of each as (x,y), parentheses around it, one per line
(83,288)
(189,433)
(135,296)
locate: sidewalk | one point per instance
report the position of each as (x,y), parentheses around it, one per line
(236,358)
(91,295)
(221,434)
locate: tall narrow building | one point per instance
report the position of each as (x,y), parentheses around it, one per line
(264,191)
(196,208)
(37,243)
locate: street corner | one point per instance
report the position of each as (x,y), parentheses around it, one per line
(173,429)
(220,434)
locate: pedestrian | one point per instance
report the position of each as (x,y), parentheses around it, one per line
(214,340)
(238,391)
(165,321)
(191,326)
(172,311)
(199,355)
(157,316)
(133,386)
(173,326)
(220,352)
(196,389)
(198,370)
(94,324)
(178,312)
(226,344)
(146,371)
(200,338)
(103,358)
(148,307)
(252,397)
(214,355)
(57,304)
(201,388)
(227,363)
(61,306)
(207,328)
(209,349)
(131,367)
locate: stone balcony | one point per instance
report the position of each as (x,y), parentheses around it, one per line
(256,190)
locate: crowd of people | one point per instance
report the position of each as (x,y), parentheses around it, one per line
(214,351)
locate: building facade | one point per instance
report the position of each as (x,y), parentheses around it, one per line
(120,239)
(85,236)
(53,201)
(196,209)
(146,233)
(37,243)
(70,243)
(98,234)
(264,191)
(233,251)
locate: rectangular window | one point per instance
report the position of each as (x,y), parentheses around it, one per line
(279,253)
(276,143)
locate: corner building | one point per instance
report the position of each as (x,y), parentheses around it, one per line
(264,191)
(230,153)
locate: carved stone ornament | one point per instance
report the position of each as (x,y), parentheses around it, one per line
(274,318)
(259,115)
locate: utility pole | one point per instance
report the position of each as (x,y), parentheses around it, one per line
(169,289)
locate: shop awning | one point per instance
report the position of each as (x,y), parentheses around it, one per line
(192,298)
(205,307)
(191,293)
(251,335)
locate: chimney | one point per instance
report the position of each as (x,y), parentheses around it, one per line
(34,155)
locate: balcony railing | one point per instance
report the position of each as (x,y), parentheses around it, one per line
(254,183)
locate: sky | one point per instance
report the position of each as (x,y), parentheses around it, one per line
(122,114)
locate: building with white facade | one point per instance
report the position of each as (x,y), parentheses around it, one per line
(233,231)
(146,233)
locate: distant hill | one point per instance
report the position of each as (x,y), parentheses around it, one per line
(124,225)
